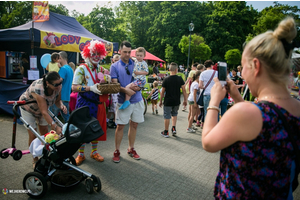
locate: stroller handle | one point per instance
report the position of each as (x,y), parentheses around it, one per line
(17,104)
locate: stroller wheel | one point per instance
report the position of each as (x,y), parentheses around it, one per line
(17,155)
(35,184)
(4,155)
(89,186)
(97,185)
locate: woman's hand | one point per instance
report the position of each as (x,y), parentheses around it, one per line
(64,108)
(232,88)
(217,93)
(58,130)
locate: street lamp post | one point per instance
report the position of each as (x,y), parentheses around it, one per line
(191,28)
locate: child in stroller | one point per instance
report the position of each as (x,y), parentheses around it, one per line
(58,156)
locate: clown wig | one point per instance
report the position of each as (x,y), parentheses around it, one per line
(94,46)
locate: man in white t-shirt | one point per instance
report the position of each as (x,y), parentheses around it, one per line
(205,76)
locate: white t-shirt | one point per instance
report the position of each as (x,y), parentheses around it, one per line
(194,86)
(204,77)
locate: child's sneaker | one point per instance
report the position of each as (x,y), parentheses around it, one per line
(165,134)
(116,157)
(153,113)
(174,131)
(156,112)
(132,153)
(190,130)
(193,127)
(198,124)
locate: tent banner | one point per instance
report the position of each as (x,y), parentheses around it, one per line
(40,12)
(66,42)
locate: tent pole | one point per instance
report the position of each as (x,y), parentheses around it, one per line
(32,39)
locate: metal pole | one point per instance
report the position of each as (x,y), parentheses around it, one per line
(189,55)
(32,39)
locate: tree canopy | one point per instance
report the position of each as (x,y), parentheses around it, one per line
(161,26)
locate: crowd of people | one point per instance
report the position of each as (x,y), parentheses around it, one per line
(258,159)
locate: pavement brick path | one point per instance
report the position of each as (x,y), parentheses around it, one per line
(170,168)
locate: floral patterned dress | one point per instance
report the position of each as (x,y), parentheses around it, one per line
(264,167)
(83,77)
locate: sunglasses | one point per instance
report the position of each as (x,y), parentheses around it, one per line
(56,85)
(127,71)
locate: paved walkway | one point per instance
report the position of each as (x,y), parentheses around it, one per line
(170,168)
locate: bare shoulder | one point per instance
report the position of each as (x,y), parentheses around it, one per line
(247,119)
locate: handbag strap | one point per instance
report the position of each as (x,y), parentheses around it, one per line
(210,79)
(289,131)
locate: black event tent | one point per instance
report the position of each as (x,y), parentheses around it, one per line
(18,39)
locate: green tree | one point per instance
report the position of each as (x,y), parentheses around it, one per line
(169,53)
(198,48)
(269,17)
(15,13)
(134,18)
(170,23)
(59,9)
(204,52)
(101,22)
(233,57)
(228,25)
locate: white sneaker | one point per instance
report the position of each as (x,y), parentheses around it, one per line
(194,128)
(190,130)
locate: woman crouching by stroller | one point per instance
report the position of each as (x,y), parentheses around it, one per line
(46,92)
(259,152)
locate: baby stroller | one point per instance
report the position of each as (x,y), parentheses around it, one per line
(57,161)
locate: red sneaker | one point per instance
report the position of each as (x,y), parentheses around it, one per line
(132,153)
(116,157)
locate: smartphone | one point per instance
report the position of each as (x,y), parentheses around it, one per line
(222,72)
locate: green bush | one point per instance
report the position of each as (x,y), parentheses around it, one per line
(150,70)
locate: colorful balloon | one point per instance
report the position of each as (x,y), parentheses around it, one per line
(45,59)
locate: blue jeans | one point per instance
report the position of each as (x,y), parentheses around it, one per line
(55,110)
(223,106)
(206,100)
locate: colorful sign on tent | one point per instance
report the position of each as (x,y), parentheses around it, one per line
(67,42)
(40,12)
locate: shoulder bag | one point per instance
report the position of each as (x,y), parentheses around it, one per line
(200,99)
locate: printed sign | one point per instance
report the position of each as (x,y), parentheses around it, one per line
(33,74)
(40,12)
(67,42)
(33,62)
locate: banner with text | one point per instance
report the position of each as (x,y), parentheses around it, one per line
(66,42)
(40,12)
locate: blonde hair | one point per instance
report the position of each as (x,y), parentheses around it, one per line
(268,48)
(141,50)
(116,56)
(155,84)
(200,67)
(72,65)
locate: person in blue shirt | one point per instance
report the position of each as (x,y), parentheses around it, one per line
(121,71)
(66,73)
